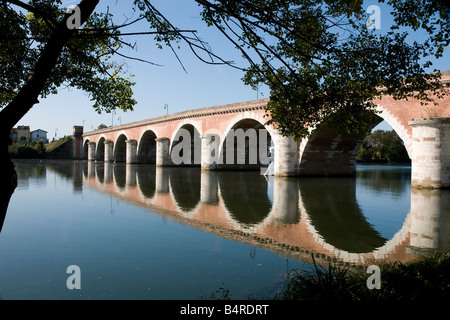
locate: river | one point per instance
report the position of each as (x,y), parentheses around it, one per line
(142,232)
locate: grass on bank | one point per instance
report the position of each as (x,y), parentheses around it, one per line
(427,278)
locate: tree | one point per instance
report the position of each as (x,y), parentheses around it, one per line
(333,66)
(383,146)
(318,57)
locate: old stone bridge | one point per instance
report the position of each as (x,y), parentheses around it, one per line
(425,131)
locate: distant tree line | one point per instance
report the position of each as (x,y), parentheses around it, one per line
(33,150)
(383,146)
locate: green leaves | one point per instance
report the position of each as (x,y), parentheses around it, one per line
(15,57)
(431,16)
(321,61)
(85,62)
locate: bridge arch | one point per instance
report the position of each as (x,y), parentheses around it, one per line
(146,152)
(85,150)
(185,123)
(397,126)
(100,150)
(186,130)
(256,116)
(251,143)
(326,152)
(120,148)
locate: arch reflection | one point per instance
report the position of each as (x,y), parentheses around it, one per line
(185,187)
(290,216)
(147,181)
(334,211)
(120,175)
(245,196)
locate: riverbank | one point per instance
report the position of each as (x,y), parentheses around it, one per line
(427,278)
(59,149)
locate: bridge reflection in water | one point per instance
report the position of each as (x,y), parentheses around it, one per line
(296,217)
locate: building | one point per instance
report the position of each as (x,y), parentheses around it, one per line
(13,135)
(39,134)
(23,134)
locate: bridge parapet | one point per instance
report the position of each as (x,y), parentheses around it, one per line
(222,110)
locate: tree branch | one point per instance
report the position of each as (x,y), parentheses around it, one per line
(31,90)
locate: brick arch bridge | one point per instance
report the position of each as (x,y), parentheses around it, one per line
(325,153)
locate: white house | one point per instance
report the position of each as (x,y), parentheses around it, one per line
(39,134)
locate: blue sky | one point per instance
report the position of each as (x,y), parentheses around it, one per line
(202,86)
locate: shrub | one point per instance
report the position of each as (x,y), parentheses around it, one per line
(35,149)
(427,278)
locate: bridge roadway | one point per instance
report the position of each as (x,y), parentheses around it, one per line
(425,131)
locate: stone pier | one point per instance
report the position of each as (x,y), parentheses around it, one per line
(431,153)
(162,152)
(91,151)
(286,156)
(131,151)
(109,151)
(209,160)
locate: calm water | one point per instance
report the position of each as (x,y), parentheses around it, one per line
(140,232)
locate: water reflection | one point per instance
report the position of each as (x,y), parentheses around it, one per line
(429,220)
(395,179)
(289,216)
(335,214)
(30,174)
(185,188)
(245,198)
